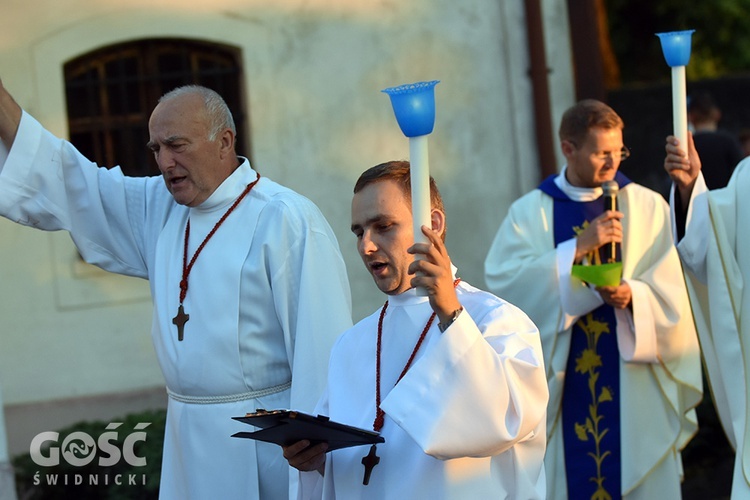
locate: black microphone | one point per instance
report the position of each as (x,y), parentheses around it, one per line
(610,189)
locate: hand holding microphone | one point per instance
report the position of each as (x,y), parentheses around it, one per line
(604,231)
(620,296)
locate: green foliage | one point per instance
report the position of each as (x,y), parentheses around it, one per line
(720,44)
(34,481)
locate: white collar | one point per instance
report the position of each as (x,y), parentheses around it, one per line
(230,189)
(576,193)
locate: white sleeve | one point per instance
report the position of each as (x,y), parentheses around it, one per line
(640,348)
(576,297)
(495,380)
(47,184)
(693,247)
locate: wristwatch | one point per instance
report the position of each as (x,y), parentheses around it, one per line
(444,326)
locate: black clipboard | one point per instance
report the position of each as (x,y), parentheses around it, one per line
(285,427)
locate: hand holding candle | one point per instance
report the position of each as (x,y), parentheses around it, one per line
(414,106)
(676,48)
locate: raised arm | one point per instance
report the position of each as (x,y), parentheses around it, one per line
(682,169)
(10,116)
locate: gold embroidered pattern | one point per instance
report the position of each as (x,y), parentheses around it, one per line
(587,364)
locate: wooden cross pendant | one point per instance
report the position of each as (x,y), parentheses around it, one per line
(180,321)
(370,461)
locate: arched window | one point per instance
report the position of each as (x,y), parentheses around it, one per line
(111,92)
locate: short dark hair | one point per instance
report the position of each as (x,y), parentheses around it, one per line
(585,115)
(399,171)
(702,107)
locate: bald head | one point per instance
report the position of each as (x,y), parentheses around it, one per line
(216,110)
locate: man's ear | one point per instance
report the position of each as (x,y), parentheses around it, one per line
(437,218)
(227,143)
(567,148)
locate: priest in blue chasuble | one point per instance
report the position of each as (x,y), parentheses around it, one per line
(622,357)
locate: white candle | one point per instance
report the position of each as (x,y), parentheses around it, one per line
(414,106)
(420,186)
(676,48)
(420,191)
(679,106)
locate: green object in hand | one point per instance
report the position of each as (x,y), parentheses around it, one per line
(599,275)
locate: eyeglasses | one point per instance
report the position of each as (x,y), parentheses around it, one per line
(620,155)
